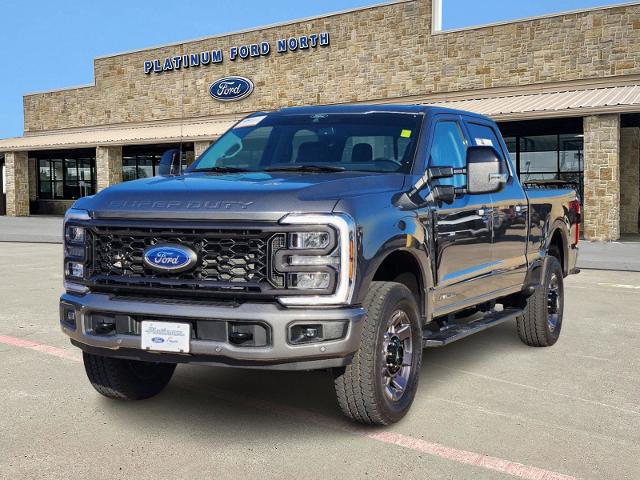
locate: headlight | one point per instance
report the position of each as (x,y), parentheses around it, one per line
(74,234)
(309,240)
(75,246)
(319,260)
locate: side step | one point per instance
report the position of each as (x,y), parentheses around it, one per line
(458,331)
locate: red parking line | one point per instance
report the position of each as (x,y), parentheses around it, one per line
(40,347)
(392,438)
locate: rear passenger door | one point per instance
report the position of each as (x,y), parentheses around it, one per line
(462,229)
(509,213)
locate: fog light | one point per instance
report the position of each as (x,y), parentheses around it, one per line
(75,269)
(75,234)
(68,315)
(306,334)
(310,281)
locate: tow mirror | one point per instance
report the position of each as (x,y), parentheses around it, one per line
(170,163)
(486,171)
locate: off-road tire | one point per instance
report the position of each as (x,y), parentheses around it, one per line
(359,386)
(533,326)
(127,379)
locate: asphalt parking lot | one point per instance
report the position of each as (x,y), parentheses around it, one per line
(487,407)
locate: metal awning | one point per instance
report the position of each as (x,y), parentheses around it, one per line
(125,135)
(565,103)
(579,102)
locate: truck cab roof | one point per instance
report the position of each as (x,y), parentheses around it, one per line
(367,108)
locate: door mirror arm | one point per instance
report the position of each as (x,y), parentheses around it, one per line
(444,193)
(170,163)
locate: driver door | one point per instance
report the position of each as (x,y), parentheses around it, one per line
(462,230)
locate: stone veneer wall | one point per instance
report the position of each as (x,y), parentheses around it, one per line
(108,166)
(376,53)
(629,179)
(33,179)
(602,177)
(199,148)
(17,173)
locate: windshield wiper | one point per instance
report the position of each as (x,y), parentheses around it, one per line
(305,168)
(222,170)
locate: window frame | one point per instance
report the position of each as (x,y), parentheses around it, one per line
(52,158)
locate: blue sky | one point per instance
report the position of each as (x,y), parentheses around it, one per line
(48,44)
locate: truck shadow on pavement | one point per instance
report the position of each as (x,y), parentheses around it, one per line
(236,404)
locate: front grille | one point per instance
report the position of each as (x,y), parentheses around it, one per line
(227,258)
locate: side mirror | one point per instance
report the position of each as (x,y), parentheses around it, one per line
(486,171)
(170,163)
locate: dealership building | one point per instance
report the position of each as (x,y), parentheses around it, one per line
(564,89)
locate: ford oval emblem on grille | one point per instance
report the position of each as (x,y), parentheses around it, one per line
(229,89)
(170,258)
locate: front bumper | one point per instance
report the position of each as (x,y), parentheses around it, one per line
(279,354)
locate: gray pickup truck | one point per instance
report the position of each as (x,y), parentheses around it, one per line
(343,238)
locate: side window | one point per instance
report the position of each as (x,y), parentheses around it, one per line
(449,149)
(484,135)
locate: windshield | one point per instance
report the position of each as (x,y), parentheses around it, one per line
(370,142)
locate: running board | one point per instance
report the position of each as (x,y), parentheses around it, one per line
(458,331)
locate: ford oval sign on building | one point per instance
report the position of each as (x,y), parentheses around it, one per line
(231,89)
(170,258)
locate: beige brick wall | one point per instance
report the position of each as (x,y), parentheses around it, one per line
(33,179)
(17,173)
(629,179)
(602,177)
(200,147)
(375,53)
(108,166)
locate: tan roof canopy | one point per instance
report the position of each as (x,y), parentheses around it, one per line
(124,135)
(575,102)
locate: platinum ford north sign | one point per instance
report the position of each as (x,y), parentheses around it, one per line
(243,52)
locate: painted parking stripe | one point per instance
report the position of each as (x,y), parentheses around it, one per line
(391,438)
(620,285)
(40,347)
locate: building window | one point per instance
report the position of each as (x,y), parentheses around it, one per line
(143,161)
(549,157)
(65,175)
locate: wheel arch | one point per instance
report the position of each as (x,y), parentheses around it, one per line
(404,266)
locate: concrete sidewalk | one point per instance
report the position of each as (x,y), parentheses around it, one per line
(621,256)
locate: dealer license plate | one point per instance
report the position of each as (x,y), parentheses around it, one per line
(166,337)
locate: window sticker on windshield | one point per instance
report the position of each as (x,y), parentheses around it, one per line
(250,122)
(405,133)
(484,142)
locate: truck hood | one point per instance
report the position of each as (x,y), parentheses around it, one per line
(254,196)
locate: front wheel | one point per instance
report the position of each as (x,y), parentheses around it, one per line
(379,386)
(541,322)
(122,379)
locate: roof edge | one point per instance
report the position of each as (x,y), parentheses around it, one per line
(535,17)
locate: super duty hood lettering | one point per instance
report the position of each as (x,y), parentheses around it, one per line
(180,205)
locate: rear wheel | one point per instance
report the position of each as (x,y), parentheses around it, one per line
(127,379)
(380,384)
(541,322)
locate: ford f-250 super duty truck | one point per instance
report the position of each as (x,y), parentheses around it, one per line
(344,238)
